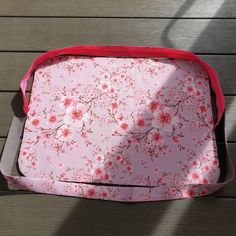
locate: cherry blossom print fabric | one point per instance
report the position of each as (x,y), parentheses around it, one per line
(120,121)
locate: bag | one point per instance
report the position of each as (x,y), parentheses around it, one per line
(119,123)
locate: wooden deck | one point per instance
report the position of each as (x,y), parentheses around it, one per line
(29,27)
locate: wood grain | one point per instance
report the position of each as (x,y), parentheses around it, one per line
(121,8)
(40,34)
(53,215)
(13,66)
(10,104)
(230,189)
(2,141)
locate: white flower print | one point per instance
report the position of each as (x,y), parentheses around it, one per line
(104,85)
(76,115)
(165,119)
(189,88)
(155,137)
(154,105)
(67,101)
(64,132)
(52,119)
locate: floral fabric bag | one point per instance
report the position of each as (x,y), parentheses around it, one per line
(119,123)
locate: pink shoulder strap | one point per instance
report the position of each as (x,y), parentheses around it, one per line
(128,51)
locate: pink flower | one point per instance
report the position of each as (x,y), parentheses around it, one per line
(189,88)
(33,163)
(160,180)
(124,126)
(114,105)
(214,162)
(198,93)
(195,176)
(165,119)
(52,119)
(195,163)
(199,83)
(63,174)
(118,158)
(190,79)
(104,85)
(91,192)
(64,132)
(141,122)
(110,163)
(206,168)
(190,193)
(153,105)
(120,117)
(98,171)
(67,101)
(100,158)
(202,108)
(76,116)
(24,153)
(156,137)
(106,177)
(35,122)
(112,90)
(84,135)
(176,140)
(104,194)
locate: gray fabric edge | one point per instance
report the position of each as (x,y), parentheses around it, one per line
(12,145)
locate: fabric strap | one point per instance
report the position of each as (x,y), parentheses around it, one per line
(128,51)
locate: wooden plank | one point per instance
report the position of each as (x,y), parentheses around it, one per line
(2,141)
(40,34)
(230,189)
(14,65)
(230,123)
(28,214)
(11,103)
(225,66)
(121,8)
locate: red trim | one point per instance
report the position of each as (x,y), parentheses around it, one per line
(129,51)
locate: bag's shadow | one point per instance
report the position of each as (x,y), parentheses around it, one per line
(93,217)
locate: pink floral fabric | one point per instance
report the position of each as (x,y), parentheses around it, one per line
(145,123)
